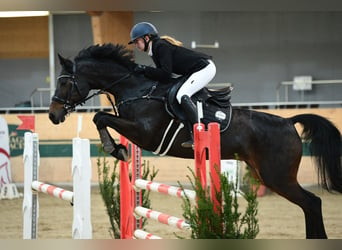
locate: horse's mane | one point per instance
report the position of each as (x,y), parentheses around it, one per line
(118,53)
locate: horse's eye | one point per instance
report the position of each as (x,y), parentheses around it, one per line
(63,83)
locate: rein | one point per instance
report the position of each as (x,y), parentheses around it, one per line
(148,96)
(105,91)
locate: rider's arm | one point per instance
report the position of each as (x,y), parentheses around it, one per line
(162,57)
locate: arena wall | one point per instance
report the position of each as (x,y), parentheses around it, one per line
(58,138)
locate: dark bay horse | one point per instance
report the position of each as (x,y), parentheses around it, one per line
(269,144)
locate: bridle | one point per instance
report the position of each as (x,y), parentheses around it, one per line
(69,105)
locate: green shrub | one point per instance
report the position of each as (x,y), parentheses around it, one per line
(109,183)
(226,223)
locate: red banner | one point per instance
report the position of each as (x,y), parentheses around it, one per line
(28,122)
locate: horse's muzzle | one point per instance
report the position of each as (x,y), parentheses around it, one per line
(56,120)
(57,114)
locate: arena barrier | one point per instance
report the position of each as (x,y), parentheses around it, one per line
(130,197)
(79,198)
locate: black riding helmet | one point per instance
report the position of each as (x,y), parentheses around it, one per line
(142,29)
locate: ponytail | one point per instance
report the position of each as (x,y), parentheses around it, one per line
(172,40)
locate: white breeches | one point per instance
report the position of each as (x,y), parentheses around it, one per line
(197,81)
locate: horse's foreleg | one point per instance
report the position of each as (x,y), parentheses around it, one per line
(109,146)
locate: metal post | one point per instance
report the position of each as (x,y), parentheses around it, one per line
(51,55)
(136,170)
(35,205)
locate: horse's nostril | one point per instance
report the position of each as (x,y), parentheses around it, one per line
(53,118)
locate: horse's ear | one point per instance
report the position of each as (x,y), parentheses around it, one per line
(65,63)
(61,59)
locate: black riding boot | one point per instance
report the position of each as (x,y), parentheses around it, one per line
(190,111)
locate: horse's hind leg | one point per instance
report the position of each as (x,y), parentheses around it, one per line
(314,219)
(310,204)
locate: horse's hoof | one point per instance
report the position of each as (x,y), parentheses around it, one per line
(123,155)
(188,144)
(120,153)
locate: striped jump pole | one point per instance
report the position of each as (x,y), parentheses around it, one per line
(53,191)
(143,235)
(80,197)
(161,217)
(165,189)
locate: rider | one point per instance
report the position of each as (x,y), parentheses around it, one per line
(170,57)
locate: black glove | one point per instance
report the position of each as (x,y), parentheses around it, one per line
(139,69)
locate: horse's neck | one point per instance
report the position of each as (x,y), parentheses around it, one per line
(122,86)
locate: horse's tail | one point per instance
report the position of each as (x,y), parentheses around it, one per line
(325,146)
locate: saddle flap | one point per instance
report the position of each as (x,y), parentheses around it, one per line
(216,104)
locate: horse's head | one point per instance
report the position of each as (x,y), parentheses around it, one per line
(68,93)
(107,67)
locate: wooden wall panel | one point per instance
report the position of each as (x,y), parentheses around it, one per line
(111,27)
(24,37)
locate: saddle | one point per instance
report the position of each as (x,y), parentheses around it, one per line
(215,102)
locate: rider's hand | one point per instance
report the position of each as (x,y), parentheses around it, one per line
(139,69)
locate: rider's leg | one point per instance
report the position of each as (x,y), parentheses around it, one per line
(194,83)
(190,111)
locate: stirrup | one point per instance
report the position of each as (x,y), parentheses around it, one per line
(188,144)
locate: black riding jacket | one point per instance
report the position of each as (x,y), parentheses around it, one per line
(170,58)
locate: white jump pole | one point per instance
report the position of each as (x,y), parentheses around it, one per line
(80,197)
(81,172)
(30,203)
(53,191)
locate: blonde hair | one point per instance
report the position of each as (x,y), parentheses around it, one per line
(172,40)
